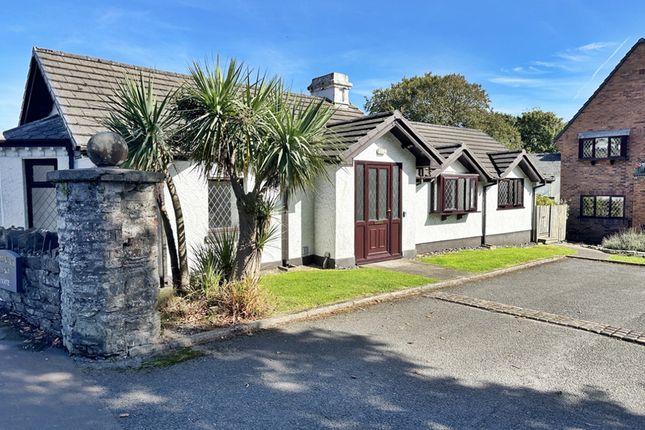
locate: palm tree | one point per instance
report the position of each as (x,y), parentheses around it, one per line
(150,126)
(247,128)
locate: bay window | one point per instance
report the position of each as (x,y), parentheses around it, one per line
(455,194)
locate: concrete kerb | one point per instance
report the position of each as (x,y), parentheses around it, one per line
(175,340)
(627,263)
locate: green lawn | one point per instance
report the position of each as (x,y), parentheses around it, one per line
(305,289)
(484,260)
(627,259)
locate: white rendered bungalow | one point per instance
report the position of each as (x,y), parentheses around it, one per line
(400,187)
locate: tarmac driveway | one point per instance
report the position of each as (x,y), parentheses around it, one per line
(596,291)
(416,363)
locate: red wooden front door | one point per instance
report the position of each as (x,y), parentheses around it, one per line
(377,211)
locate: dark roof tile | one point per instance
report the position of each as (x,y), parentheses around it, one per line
(51,127)
(82,84)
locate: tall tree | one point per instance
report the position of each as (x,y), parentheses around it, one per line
(247,128)
(501,127)
(538,129)
(444,100)
(149,127)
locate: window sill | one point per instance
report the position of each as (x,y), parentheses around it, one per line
(606,218)
(605,158)
(506,208)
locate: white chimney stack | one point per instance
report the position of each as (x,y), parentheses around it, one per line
(332,86)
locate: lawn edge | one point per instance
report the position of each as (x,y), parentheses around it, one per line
(627,263)
(175,340)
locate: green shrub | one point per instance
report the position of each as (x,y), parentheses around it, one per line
(215,258)
(542,200)
(632,240)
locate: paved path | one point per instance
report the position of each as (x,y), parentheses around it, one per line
(414,267)
(585,252)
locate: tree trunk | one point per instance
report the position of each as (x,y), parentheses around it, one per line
(170,239)
(184,281)
(247,258)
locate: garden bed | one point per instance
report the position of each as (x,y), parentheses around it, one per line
(293,291)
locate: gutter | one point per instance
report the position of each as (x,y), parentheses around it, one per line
(39,143)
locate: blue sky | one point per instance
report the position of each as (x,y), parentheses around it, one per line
(540,54)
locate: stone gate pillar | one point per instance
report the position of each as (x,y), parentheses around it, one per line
(109,245)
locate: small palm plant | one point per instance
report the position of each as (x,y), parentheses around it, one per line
(246,126)
(149,126)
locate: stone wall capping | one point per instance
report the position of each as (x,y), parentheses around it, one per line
(105,174)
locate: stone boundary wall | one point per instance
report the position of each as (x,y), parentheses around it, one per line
(38,300)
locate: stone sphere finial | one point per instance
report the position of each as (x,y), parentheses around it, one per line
(107,149)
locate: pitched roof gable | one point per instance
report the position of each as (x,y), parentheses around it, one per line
(640,42)
(80,87)
(464,155)
(506,161)
(355,135)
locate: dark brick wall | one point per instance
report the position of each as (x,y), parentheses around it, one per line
(619,104)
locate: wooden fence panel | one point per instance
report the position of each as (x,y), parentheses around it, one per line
(552,222)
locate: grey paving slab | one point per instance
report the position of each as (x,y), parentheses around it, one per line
(416,268)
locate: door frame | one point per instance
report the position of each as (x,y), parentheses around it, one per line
(360,226)
(31,184)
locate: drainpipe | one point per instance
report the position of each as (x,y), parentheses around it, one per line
(284,222)
(534,212)
(485,187)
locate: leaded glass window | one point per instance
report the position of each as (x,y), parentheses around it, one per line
(450,194)
(510,193)
(360,192)
(220,204)
(396,190)
(382,194)
(617,207)
(457,194)
(602,206)
(603,147)
(588,206)
(615,146)
(371,200)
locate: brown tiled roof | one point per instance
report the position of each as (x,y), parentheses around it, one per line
(476,140)
(348,133)
(501,160)
(81,86)
(51,127)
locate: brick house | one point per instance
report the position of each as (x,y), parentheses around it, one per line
(602,147)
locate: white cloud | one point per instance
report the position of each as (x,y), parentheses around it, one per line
(599,68)
(514,81)
(595,46)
